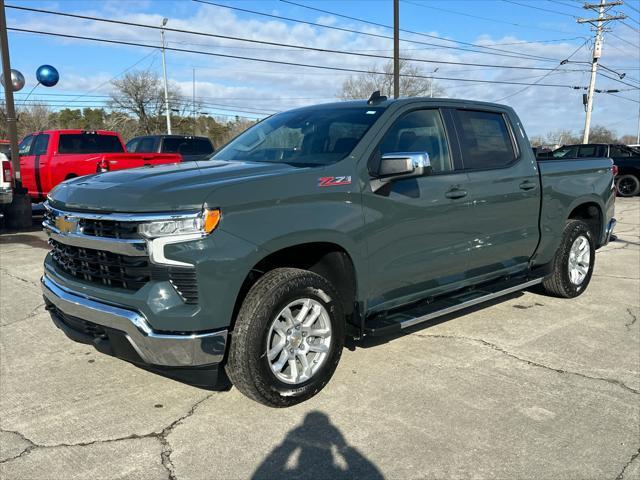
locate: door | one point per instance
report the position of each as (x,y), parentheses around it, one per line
(27,164)
(504,189)
(416,228)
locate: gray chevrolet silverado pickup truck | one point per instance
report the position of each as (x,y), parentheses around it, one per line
(347,219)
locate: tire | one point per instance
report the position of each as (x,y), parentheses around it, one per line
(249,367)
(627,185)
(561,283)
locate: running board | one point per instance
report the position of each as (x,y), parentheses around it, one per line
(395,321)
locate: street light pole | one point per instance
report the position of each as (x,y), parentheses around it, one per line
(164,72)
(396,49)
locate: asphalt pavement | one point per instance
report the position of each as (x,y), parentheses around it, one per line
(528,387)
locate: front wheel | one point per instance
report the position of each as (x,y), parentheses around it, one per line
(288,338)
(627,185)
(573,262)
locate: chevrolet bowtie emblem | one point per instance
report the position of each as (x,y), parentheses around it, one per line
(66,224)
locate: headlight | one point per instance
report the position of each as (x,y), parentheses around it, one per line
(204,223)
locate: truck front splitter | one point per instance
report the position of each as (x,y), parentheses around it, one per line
(192,358)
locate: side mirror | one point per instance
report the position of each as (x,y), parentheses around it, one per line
(398,165)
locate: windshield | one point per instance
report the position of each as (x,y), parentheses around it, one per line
(306,138)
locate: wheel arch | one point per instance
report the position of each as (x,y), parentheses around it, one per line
(328,259)
(589,211)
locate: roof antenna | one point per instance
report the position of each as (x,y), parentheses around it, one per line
(376,98)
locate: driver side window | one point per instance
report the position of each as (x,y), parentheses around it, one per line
(420,131)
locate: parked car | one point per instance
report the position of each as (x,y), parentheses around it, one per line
(356,218)
(6,187)
(625,158)
(53,156)
(191,148)
(5,147)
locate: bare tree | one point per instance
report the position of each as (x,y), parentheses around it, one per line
(601,134)
(562,137)
(141,94)
(412,84)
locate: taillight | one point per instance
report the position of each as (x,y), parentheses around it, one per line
(614,170)
(6,170)
(103,166)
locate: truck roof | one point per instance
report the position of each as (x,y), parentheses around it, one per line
(78,131)
(401,101)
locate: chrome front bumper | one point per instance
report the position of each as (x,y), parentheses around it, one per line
(188,350)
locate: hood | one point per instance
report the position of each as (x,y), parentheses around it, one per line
(158,188)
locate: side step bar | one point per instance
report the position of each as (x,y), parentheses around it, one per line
(397,320)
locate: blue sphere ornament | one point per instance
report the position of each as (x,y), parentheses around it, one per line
(47,75)
(17,80)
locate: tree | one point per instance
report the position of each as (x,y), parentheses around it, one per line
(141,94)
(562,137)
(537,141)
(364,84)
(601,134)
(629,139)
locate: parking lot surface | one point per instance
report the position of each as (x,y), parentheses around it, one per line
(527,387)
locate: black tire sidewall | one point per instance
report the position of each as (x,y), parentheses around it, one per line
(304,285)
(574,230)
(636,190)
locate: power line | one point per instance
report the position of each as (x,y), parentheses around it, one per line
(276,44)
(278,62)
(624,98)
(405,30)
(542,78)
(477,16)
(342,29)
(622,39)
(539,8)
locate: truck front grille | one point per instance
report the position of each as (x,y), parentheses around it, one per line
(109,228)
(106,268)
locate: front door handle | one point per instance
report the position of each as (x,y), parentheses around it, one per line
(527,185)
(456,193)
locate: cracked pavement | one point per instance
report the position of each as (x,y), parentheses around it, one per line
(527,387)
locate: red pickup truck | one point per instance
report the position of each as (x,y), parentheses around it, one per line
(53,156)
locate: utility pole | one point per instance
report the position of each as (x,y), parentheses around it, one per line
(8,97)
(599,24)
(164,72)
(396,48)
(19,211)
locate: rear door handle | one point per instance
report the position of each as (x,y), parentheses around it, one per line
(527,185)
(456,193)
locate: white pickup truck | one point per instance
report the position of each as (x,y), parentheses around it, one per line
(6,189)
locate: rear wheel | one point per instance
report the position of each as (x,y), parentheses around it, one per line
(573,263)
(627,185)
(288,338)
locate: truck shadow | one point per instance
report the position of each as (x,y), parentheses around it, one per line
(316,449)
(368,342)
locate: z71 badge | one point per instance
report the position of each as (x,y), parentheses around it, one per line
(334,181)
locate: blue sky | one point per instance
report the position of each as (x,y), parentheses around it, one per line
(230,86)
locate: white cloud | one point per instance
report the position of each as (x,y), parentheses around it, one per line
(276,87)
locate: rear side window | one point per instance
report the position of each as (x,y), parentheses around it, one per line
(89,143)
(485,140)
(40,144)
(187,146)
(617,152)
(131,145)
(146,145)
(25,145)
(588,151)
